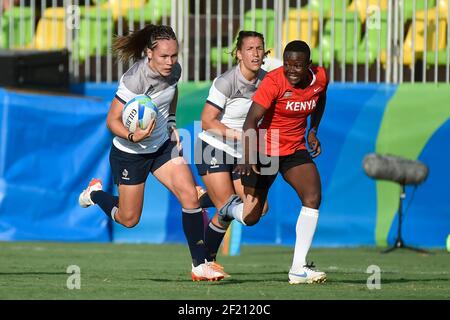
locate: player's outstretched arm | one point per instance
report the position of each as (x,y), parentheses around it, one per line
(249,135)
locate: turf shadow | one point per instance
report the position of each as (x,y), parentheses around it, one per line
(385,281)
(222,282)
(31,273)
(260,273)
(166,280)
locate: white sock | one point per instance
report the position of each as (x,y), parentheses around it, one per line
(237,211)
(305,228)
(113,213)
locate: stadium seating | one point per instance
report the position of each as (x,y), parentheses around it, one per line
(152,11)
(51,30)
(268,32)
(345,31)
(93,33)
(301,24)
(121,7)
(326,6)
(408,7)
(365,7)
(443,7)
(375,37)
(350,21)
(22,27)
(442,57)
(420,43)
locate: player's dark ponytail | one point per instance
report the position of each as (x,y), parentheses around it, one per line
(132,45)
(240,39)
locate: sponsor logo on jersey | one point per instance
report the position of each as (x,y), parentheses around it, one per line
(149,90)
(301,105)
(287,94)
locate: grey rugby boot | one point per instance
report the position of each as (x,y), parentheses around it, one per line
(226,217)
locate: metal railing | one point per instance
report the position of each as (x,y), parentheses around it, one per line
(382,41)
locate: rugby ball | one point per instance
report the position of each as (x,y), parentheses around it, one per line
(139,111)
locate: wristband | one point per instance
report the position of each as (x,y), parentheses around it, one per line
(172,118)
(171,122)
(313,130)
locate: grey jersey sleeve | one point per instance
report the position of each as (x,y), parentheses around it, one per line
(219,92)
(131,84)
(125,94)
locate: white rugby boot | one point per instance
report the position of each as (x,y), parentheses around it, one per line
(306,274)
(207,271)
(217,265)
(84,199)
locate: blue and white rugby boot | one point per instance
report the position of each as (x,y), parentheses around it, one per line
(226,217)
(306,274)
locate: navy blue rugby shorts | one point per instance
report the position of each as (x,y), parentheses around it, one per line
(132,169)
(209,160)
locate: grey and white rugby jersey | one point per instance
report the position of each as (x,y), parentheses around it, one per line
(140,79)
(232,94)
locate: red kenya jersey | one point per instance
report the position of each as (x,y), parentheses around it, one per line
(287,110)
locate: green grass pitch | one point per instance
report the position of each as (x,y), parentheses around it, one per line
(37,270)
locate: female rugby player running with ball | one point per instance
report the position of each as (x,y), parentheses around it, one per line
(134,155)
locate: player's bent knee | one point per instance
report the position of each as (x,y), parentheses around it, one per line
(312,200)
(129,221)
